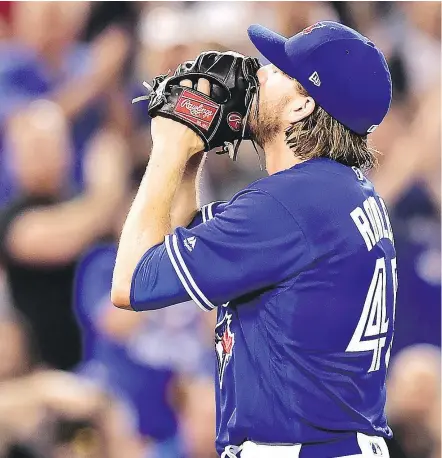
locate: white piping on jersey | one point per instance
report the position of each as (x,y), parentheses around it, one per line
(187,273)
(187,280)
(207,209)
(180,275)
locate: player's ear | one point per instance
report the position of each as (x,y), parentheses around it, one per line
(299,108)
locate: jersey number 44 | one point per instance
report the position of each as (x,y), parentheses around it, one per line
(371,330)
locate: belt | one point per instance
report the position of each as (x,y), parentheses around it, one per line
(359,445)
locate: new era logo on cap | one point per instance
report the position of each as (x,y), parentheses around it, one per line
(314,78)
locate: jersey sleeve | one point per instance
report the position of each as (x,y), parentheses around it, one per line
(155,283)
(207,212)
(253,242)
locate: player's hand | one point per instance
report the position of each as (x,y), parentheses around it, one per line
(173,136)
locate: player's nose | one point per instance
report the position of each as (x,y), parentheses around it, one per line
(263,74)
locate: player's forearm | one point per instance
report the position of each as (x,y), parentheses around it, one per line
(149,220)
(187,199)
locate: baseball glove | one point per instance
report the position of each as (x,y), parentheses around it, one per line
(219,119)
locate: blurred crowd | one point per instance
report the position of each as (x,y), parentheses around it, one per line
(80,378)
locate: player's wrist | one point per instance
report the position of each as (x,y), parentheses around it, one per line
(165,158)
(175,151)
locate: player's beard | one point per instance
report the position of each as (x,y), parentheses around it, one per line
(265,124)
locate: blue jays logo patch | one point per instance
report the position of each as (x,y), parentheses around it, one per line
(224,342)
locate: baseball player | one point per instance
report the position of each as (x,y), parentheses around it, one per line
(300,265)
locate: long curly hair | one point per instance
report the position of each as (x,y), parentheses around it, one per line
(320,135)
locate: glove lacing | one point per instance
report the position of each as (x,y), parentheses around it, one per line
(144,97)
(228,147)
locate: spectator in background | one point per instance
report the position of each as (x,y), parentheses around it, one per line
(418,248)
(409,180)
(44,60)
(409,175)
(197,418)
(43,232)
(52,414)
(104,14)
(107,358)
(19,354)
(413,402)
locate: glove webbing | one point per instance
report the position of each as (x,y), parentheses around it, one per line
(228,148)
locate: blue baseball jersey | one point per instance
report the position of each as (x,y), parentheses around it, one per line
(301,267)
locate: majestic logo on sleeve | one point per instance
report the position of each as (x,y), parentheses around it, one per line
(190,243)
(224,342)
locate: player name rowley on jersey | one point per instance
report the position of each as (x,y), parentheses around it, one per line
(372,222)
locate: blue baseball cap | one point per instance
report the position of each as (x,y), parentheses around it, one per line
(344,72)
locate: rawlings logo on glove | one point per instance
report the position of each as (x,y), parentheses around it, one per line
(221,119)
(196,109)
